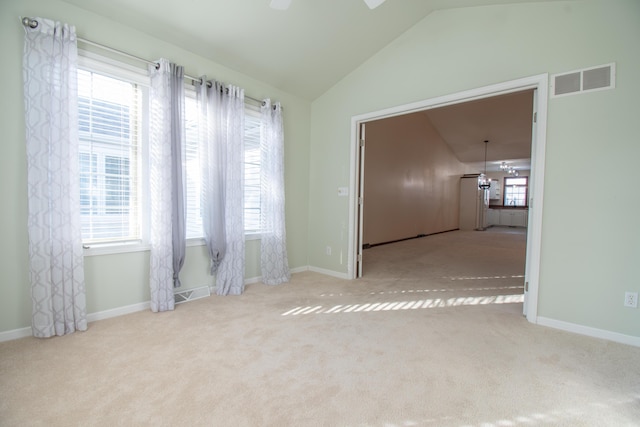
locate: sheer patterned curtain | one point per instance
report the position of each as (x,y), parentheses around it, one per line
(167,223)
(273,259)
(222,160)
(51,116)
(213,169)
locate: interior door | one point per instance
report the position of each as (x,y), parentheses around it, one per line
(534,133)
(360,198)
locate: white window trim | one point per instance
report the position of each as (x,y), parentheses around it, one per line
(119,70)
(113,68)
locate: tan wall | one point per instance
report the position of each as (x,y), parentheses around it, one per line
(411,183)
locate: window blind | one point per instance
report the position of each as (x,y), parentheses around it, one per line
(191,167)
(252,123)
(109,132)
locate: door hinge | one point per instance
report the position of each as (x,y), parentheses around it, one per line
(535,117)
(359,257)
(526,286)
(359,200)
(362,143)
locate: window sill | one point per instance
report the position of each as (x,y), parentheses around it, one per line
(115,248)
(252,236)
(121,248)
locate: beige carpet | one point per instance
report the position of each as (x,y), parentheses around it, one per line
(433,335)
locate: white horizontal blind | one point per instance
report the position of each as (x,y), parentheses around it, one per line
(252,124)
(191,166)
(109,133)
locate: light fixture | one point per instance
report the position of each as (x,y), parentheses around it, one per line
(504,166)
(483,180)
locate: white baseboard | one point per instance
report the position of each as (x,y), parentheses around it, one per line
(91,317)
(329,272)
(252,280)
(120,311)
(589,331)
(258,279)
(299,269)
(15,334)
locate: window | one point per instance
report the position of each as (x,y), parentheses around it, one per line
(252,125)
(191,166)
(515,191)
(113,115)
(109,116)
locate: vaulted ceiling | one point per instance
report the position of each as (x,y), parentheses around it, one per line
(308,48)
(304,50)
(505,121)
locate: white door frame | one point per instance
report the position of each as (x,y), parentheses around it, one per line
(536,184)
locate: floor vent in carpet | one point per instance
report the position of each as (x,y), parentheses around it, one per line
(191,294)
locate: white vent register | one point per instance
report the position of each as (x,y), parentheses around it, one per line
(586,80)
(191,294)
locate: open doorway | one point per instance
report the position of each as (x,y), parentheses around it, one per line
(538,87)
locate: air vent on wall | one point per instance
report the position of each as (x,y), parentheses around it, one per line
(586,80)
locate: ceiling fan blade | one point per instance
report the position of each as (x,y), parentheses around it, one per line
(373,3)
(280,4)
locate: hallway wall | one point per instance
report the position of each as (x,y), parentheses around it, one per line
(411,180)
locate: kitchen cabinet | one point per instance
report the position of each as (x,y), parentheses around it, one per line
(493,216)
(513,217)
(495,192)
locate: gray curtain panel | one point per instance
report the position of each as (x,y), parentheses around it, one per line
(222,168)
(274,264)
(213,164)
(178,225)
(167,219)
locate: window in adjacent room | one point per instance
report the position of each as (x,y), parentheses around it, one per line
(515,191)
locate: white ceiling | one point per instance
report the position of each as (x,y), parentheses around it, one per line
(304,50)
(505,121)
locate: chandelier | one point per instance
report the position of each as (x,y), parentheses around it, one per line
(509,169)
(483,180)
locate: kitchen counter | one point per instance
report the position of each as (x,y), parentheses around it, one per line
(510,216)
(522,208)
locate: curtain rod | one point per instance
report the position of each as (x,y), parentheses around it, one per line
(33,23)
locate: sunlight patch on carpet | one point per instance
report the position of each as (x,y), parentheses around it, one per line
(406,305)
(485,277)
(410,291)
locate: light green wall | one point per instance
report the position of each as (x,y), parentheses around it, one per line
(121,279)
(590,234)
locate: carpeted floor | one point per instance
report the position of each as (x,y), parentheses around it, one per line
(432,335)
